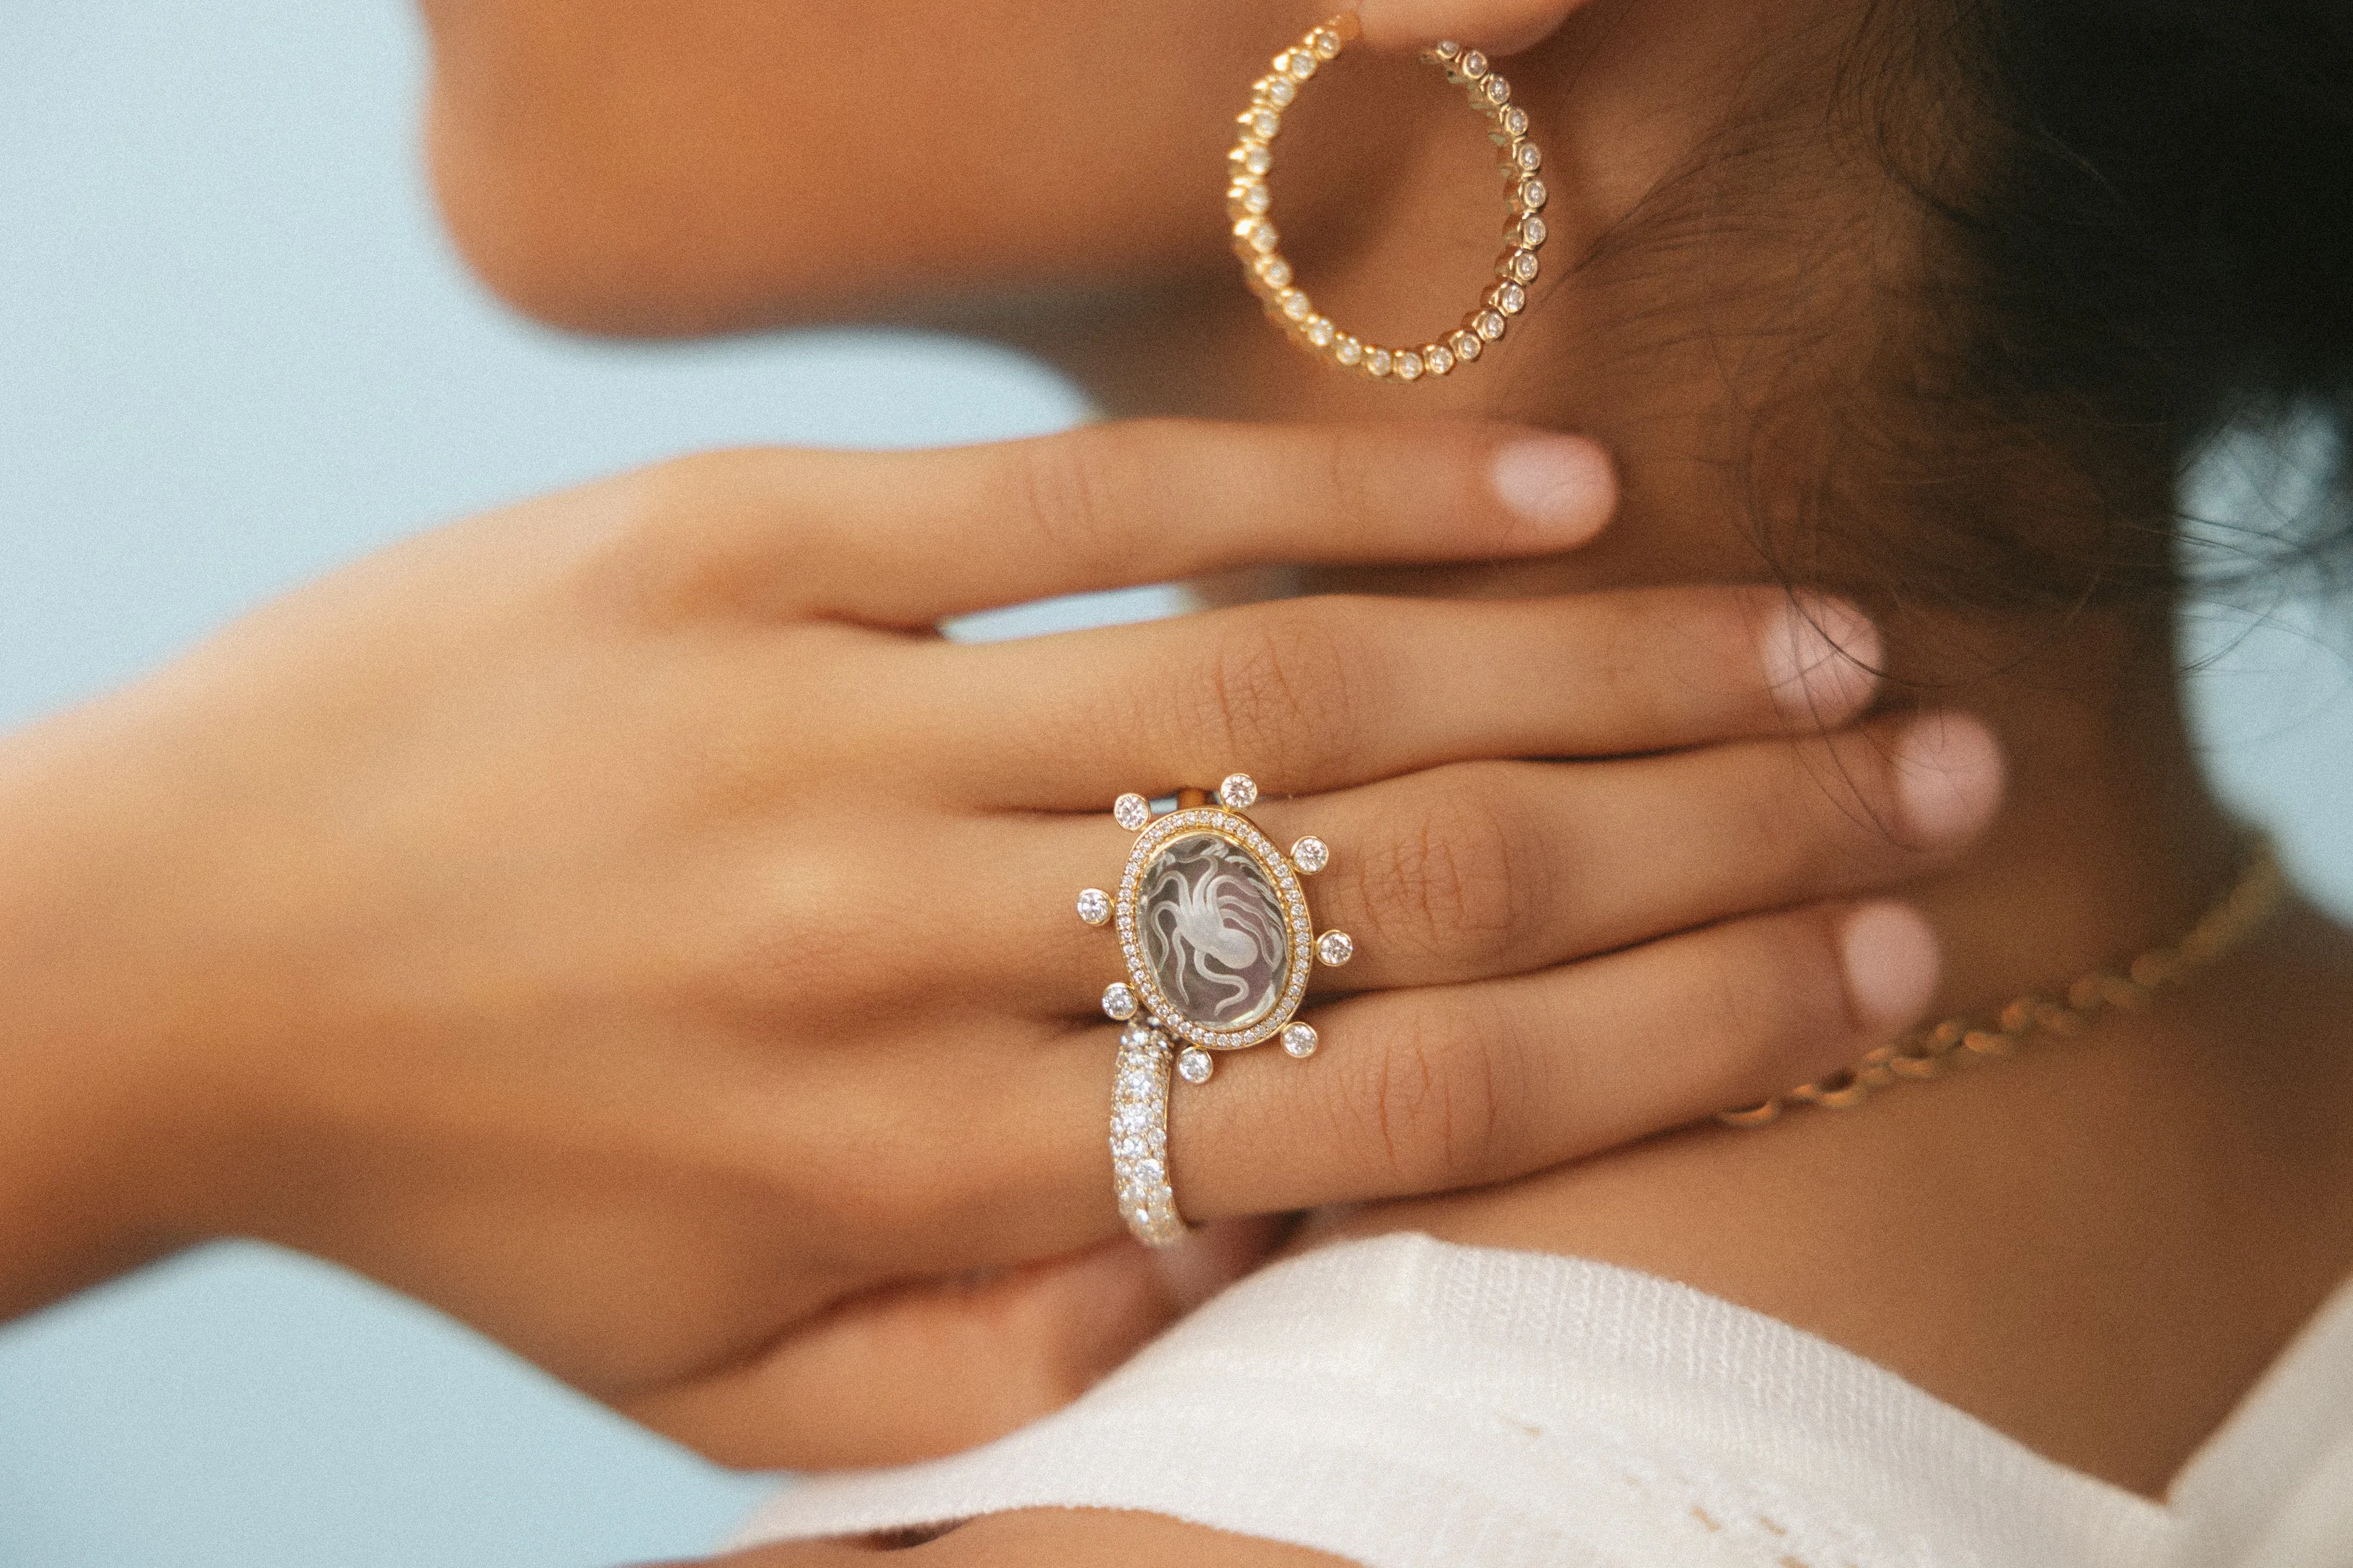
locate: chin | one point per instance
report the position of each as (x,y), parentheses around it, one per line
(660,168)
(589,249)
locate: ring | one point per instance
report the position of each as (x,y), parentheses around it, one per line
(1139,1137)
(1219,942)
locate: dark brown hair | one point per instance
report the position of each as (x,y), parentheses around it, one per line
(2158,249)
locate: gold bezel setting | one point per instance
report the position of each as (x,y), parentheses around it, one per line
(1235,829)
(1139,998)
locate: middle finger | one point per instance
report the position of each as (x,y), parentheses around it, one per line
(1492,869)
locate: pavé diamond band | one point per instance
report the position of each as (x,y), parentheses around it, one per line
(1139,1136)
(1214,928)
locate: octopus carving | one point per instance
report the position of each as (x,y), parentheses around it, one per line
(1214,931)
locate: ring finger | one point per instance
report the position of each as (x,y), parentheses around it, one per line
(1485,870)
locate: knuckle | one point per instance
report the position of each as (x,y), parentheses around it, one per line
(1682,663)
(1622,676)
(1430,1102)
(886,1196)
(771,958)
(1778,820)
(1781,989)
(652,543)
(894,1171)
(1351,455)
(1770,816)
(1278,691)
(1467,878)
(1063,489)
(1836,796)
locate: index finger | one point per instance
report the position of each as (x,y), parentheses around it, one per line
(907,538)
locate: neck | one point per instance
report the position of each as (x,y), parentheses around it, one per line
(1741,412)
(2109,842)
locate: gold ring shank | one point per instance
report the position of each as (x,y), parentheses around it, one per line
(1139,1137)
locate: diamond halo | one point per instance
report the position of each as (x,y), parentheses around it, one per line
(1142,998)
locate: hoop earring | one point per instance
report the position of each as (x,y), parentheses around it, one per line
(1257,242)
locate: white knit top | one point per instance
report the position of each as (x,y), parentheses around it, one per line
(1411,1404)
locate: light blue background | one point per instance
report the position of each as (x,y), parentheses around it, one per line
(233,352)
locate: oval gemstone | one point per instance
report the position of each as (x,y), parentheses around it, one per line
(1215,934)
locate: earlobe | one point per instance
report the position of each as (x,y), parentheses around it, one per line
(1498,26)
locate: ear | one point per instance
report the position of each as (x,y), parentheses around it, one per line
(1498,26)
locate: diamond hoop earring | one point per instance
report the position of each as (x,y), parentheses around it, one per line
(1258,243)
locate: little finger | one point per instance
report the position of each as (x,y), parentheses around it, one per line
(1448,1086)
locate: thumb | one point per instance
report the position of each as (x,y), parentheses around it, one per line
(1498,26)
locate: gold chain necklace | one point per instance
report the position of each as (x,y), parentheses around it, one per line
(1936,1048)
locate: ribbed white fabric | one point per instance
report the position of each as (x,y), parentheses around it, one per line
(1411,1404)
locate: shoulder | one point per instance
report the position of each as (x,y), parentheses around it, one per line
(2094,1247)
(1051,1538)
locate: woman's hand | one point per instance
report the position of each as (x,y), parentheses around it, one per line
(621,922)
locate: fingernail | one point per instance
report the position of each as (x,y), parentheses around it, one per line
(1891,965)
(1821,658)
(1563,485)
(1948,778)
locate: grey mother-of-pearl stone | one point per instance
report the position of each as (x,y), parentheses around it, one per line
(1215,931)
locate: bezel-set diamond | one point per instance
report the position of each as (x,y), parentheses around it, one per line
(1094,906)
(1249,200)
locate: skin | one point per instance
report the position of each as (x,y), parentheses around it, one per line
(2096,1248)
(717,166)
(623,960)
